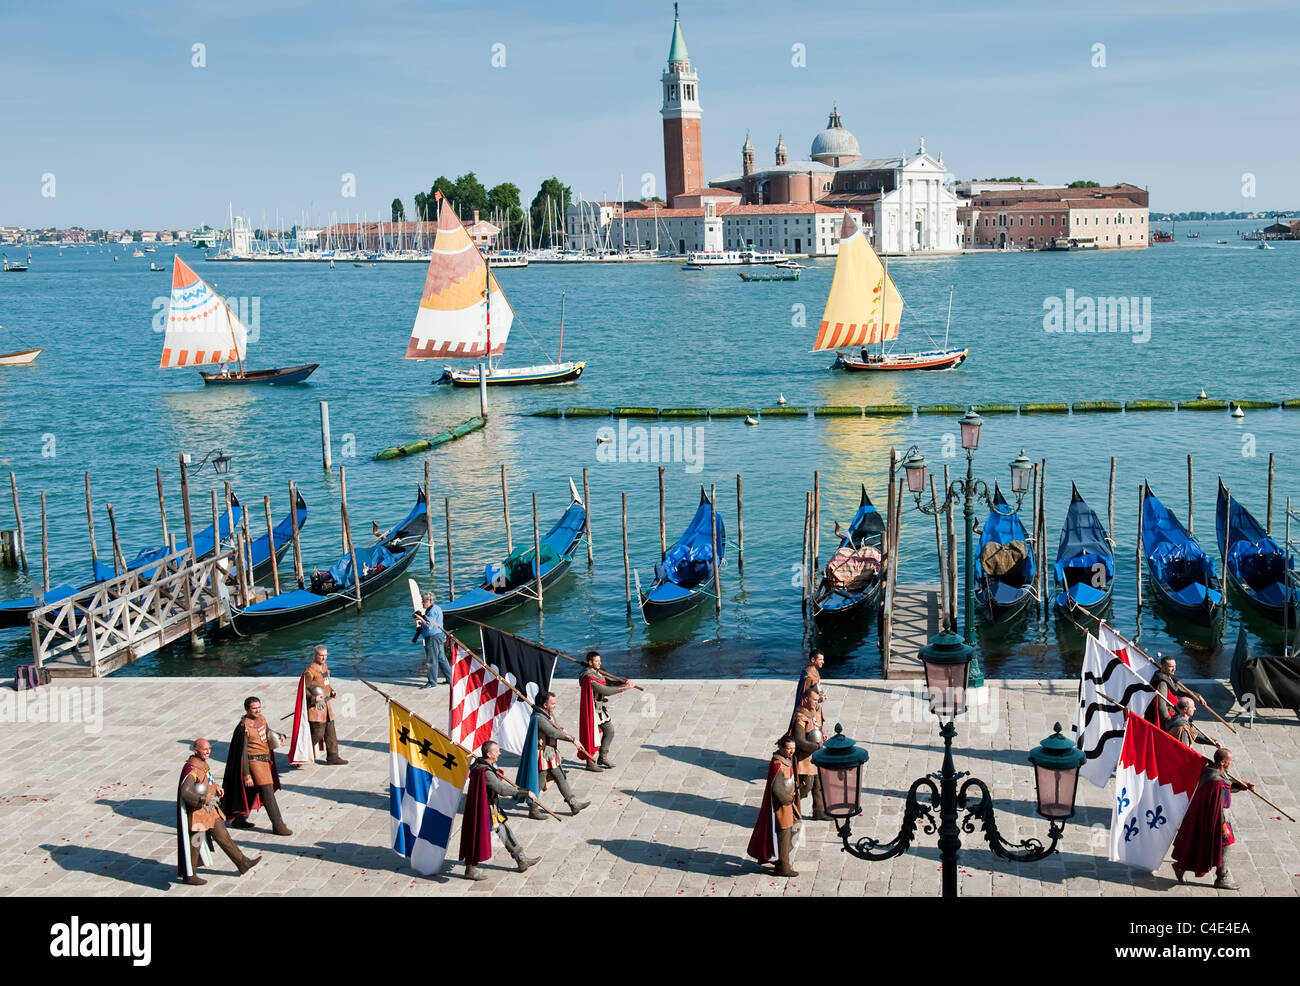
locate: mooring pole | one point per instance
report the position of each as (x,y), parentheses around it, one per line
(663,537)
(162,503)
(451,570)
(297,547)
(1191,525)
(45,547)
(505,504)
(740,527)
(537,554)
(1142,492)
(1110,504)
(90,524)
(627,570)
(325,434)
(586,514)
(18,515)
(1269,516)
(270,539)
(717,562)
(428,513)
(185,506)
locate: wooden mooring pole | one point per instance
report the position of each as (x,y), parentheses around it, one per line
(1110,505)
(505,505)
(162,503)
(663,536)
(805,575)
(45,546)
(325,434)
(185,505)
(586,515)
(1137,568)
(119,562)
(216,531)
(90,526)
(717,562)
(1268,526)
(297,546)
(537,554)
(938,551)
(627,568)
(451,569)
(1191,503)
(816,521)
(270,538)
(347,533)
(18,516)
(740,527)
(428,514)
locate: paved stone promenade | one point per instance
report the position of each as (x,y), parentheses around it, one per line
(87,811)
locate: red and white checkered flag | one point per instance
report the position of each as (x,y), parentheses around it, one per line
(479,698)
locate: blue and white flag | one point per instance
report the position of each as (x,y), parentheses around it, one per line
(426,777)
(1153,785)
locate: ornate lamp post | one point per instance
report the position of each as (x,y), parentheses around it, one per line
(969,490)
(1056,763)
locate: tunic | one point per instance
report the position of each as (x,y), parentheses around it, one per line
(804,723)
(318,677)
(257,751)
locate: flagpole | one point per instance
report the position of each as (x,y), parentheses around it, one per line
(557,653)
(416,715)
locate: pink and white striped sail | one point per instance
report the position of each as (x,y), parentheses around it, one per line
(201,328)
(453,318)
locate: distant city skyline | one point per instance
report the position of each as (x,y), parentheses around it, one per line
(119,115)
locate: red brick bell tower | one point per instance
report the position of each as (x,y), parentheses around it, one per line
(683,153)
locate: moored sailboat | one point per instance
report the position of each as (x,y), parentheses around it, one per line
(20,357)
(203,331)
(864,308)
(455,318)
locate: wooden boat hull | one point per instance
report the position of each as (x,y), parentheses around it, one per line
(1258,570)
(833,607)
(516,376)
(278,375)
(21,358)
(667,598)
(855,609)
(1084,558)
(657,608)
(1004,596)
(1181,575)
(948,359)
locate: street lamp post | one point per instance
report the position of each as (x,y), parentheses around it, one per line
(968,490)
(1056,763)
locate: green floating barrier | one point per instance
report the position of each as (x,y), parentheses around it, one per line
(473,424)
(1150,405)
(1202,405)
(415,448)
(1040,408)
(785,411)
(389,453)
(683,412)
(731,412)
(997,408)
(888,410)
(1293,402)
(636,412)
(1255,405)
(585,412)
(957,409)
(442,438)
(837,410)
(550,412)
(1082,407)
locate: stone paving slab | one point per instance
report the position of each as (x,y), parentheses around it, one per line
(87,803)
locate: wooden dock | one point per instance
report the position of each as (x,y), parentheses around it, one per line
(114,623)
(916,618)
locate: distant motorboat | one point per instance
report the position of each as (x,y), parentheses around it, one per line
(1263,245)
(157,266)
(15,268)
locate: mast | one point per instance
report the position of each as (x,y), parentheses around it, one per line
(233,340)
(949,324)
(884,306)
(487,305)
(559,357)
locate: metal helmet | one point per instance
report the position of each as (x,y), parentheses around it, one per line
(317,692)
(783,789)
(273,739)
(195,795)
(815,734)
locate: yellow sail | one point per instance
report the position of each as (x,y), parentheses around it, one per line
(856,313)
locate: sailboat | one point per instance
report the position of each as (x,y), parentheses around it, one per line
(203,331)
(20,358)
(864,307)
(454,320)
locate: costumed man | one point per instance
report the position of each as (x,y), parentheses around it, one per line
(593,712)
(431,632)
(541,748)
(811,678)
(1205,837)
(314,694)
(1181,728)
(199,821)
(251,776)
(774,831)
(1161,711)
(807,731)
(483,814)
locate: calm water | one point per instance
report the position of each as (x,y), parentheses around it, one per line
(1222,318)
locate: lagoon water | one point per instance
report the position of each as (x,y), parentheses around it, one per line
(1222,318)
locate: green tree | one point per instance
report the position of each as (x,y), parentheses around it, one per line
(421,207)
(399,211)
(1084,184)
(503,204)
(559,195)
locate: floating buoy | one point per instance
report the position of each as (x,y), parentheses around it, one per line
(1237,412)
(750,419)
(604,439)
(1201,397)
(781,399)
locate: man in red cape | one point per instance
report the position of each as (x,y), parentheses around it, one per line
(593,712)
(487,785)
(774,830)
(1205,836)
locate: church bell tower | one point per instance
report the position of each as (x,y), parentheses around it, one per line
(683,154)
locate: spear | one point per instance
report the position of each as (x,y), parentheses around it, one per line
(557,653)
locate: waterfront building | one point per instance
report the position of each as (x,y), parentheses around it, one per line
(1037,217)
(683,150)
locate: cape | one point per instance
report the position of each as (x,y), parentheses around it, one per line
(762,842)
(527,777)
(1199,844)
(237,800)
(301,750)
(588,734)
(183,867)
(476,826)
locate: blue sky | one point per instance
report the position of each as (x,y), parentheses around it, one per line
(295,94)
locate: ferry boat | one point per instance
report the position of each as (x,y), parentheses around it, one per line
(1160,236)
(507,258)
(730,258)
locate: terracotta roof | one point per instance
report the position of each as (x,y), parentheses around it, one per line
(773,209)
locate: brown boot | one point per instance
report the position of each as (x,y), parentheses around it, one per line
(784,838)
(246,864)
(577,806)
(194,881)
(473,873)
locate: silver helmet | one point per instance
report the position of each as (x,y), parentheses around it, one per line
(815,734)
(783,789)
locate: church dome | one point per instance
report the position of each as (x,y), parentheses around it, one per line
(835,145)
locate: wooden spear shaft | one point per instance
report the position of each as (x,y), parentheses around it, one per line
(550,650)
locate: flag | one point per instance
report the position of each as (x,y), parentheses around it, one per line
(479,697)
(526,666)
(1153,786)
(484,706)
(301,750)
(1127,651)
(427,773)
(1099,723)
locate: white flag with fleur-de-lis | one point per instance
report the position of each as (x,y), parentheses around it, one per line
(1153,785)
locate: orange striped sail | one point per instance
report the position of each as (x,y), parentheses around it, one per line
(201,329)
(856,314)
(453,318)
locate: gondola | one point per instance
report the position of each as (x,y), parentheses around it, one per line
(685,576)
(1004,565)
(16,612)
(850,586)
(280,375)
(1182,573)
(1257,566)
(513,581)
(1264,682)
(1085,561)
(382,562)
